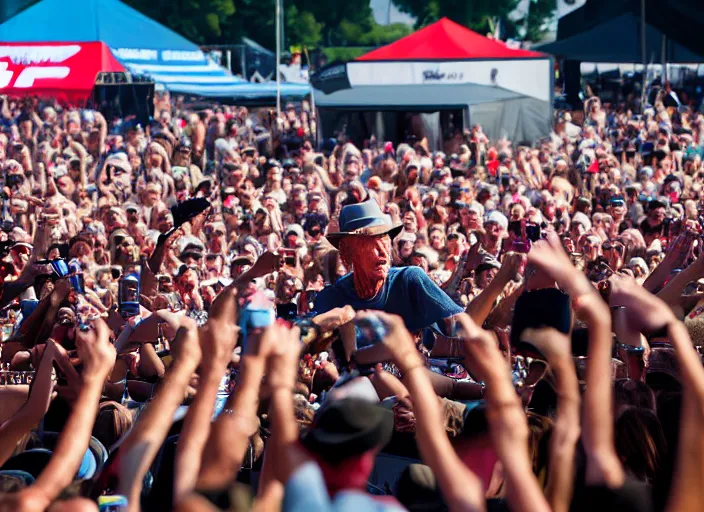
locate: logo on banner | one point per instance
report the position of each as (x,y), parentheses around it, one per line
(36,62)
(435,75)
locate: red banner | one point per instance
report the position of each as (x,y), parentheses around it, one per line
(65,71)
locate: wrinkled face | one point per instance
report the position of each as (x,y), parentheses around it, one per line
(369,255)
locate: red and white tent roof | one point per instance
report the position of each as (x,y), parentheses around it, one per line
(446,40)
(66,71)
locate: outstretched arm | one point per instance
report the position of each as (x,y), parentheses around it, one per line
(563,441)
(145,439)
(217,340)
(98,357)
(32,412)
(507,421)
(603,465)
(461,488)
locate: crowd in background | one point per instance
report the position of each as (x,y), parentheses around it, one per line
(561,369)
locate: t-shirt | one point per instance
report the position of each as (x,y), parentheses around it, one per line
(407,292)
(306,491)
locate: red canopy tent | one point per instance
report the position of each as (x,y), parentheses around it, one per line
(65,71)
(445,40)
(439,80)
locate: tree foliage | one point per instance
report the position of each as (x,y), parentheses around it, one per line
(200,21)
(309,23)
(482,15)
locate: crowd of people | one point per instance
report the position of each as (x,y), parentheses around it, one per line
(214,312)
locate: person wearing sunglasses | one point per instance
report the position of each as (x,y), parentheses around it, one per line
(614,252)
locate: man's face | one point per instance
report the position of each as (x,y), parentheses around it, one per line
(352,171)
(165,221)
(410,222)
(437,240)
(405,249)
(132,216)
(591,248)
(494,231)
(470,219)
(656,216)
(485,278)
(373,256)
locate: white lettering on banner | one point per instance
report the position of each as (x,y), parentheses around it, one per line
(182,55)
(28,75)
(5,76)
(25,55)
(135,54)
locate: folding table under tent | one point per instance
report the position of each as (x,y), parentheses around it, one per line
(142,45)
(443,77)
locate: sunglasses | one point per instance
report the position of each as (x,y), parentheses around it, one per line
(615,245)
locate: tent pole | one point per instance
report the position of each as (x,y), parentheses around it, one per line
(643,54)
(663,57)
(278,60)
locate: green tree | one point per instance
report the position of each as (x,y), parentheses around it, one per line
(333,13)
(475,14)
(540,13)
(201,21)
(302,28)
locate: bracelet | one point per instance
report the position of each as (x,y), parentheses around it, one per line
(630,348)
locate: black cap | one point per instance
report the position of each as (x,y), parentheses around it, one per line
(349,427)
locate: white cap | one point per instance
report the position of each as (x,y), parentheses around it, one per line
(497,217)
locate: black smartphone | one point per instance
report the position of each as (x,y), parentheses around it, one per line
(533,231)
(546,307)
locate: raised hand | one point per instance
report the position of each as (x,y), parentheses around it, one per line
(95,351)
(645,312)
(514,263)
(552,343)
(282,362)
(484,358)
(266,264)
(185,346)
(398,340)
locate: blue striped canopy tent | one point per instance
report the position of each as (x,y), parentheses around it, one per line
(141,44)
